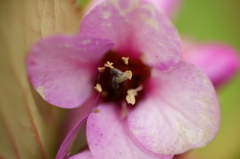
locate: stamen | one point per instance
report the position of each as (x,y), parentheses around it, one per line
(98,87)
(124,111)
(125,60)
(109,65)
(101,69)
(131,93)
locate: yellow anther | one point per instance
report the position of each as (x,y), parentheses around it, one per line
(109,64)
(131,94)
(98,87)
(125,60)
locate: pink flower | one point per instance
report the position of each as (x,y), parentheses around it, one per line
(172,105)
(219,61)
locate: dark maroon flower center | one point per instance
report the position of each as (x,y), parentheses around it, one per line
(112,91)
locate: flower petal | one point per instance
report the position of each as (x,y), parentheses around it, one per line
(64,149)
(137,28)
(180,112)
(92,4)
(219,62)
(73,116)
(108,138)
(169,6)
(60,68)
(83,155)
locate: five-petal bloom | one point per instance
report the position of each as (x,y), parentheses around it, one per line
(176,107)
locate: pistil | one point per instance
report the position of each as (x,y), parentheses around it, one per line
(119,77)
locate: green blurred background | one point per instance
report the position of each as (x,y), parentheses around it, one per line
(217,20)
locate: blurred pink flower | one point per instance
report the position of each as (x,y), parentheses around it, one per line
(219,61)
(176,107)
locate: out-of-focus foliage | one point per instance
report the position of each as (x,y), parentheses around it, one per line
(82,3)
(29,127)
